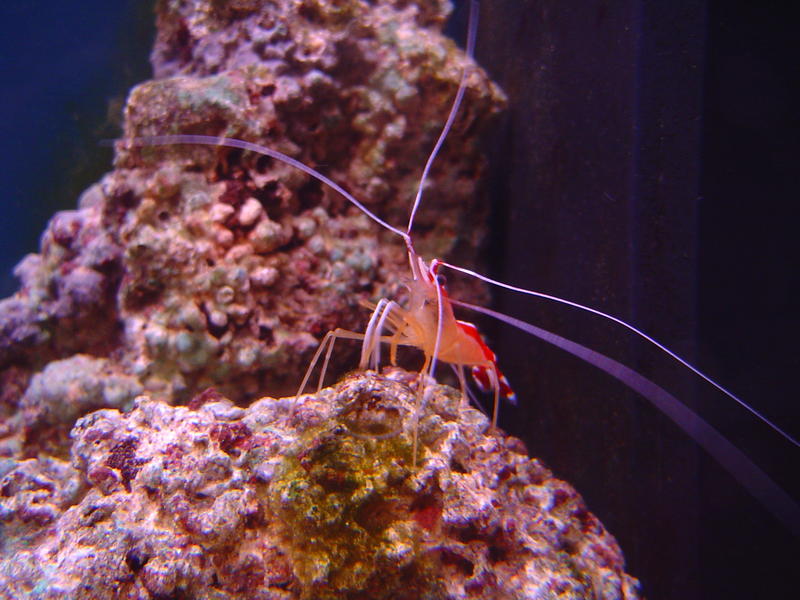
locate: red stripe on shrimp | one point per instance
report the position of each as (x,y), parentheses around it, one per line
(480,373)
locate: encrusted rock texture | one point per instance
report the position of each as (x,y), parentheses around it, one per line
(195,266)
(319,499)
(139,457)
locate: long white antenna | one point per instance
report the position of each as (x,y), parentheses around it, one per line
(210,140)
(638,332)
(744,470)
(473,28)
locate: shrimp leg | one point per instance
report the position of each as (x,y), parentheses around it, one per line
(327,342)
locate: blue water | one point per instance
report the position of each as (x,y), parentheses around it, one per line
(61,67)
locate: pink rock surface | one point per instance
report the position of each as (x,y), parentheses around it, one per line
(318,500)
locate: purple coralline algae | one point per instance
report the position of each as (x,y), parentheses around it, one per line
(193,280)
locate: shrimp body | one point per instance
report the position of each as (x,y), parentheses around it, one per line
(427,322)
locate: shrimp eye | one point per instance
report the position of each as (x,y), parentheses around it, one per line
(441,280)
(338,430)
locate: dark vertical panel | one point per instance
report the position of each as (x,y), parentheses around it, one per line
(749,257)
(591,166)
(647,166)
(667,158)
(596,182)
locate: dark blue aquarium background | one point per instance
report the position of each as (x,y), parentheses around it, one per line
(647,166)
(66,69)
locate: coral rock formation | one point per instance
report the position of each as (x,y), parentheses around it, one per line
(196,266)
(123,474)
(318,500)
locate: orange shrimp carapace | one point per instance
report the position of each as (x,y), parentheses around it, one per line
(428,323)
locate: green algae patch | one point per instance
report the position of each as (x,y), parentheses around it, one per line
(347,509)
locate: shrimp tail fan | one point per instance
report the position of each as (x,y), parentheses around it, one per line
(745,471)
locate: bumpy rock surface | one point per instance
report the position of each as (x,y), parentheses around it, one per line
(319,500)
(195,266)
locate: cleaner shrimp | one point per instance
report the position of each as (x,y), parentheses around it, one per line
(388,313)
